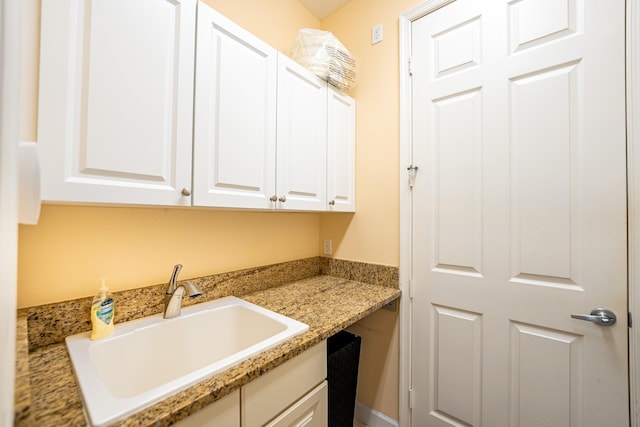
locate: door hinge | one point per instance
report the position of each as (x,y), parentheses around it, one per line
(410,289)
(413,170)
(410,398)
(629,320)
(411,66)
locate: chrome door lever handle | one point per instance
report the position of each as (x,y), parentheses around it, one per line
(601,316)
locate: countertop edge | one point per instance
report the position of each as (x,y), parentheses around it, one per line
(22,390)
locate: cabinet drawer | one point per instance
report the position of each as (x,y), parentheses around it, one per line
(223,412)
(310,411)
(272,393)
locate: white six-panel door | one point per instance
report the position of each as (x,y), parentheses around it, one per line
(116,100)
(519,214)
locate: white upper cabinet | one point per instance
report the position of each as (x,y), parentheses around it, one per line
(146,102)
(302,138)
(116,97)
(260,134)
(235,116)
(341,152)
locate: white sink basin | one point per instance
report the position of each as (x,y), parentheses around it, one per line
(147,359)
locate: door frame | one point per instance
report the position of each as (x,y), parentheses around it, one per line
(10,30)
(633,201)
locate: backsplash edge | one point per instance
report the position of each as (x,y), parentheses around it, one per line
(374,274)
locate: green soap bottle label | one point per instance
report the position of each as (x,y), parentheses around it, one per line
(105,311)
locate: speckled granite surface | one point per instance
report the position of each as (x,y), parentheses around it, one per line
(327,304)
(51,323)
(361,272)
(22,391)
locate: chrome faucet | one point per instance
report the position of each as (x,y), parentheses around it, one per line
(173,296)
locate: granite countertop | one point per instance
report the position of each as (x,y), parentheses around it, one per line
(327,304)
(22,392)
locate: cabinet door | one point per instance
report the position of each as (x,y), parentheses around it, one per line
(116,97)
(235,116)
(341,151)
(301,138)
(269,395)
(310,411)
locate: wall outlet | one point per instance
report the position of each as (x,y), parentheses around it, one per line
(327,247)
(376,34)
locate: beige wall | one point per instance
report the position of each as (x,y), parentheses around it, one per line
(64,256)
(372,235)
(275,21)
(72,247)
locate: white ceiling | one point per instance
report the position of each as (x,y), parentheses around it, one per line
(322,8)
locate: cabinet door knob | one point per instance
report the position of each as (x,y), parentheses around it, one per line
(283,199)
(332,203)
(186,192)
(273,198)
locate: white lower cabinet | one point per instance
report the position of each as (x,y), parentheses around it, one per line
(293,394)
(224,412)
(310,411)
(289,393)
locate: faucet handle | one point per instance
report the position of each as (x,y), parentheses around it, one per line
(176,271)
(174,278)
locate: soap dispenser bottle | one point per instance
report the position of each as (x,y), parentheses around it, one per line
(102,313)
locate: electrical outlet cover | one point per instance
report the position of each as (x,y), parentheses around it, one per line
(376,34)
(327,247)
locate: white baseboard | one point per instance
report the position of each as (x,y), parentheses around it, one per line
(373,418)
